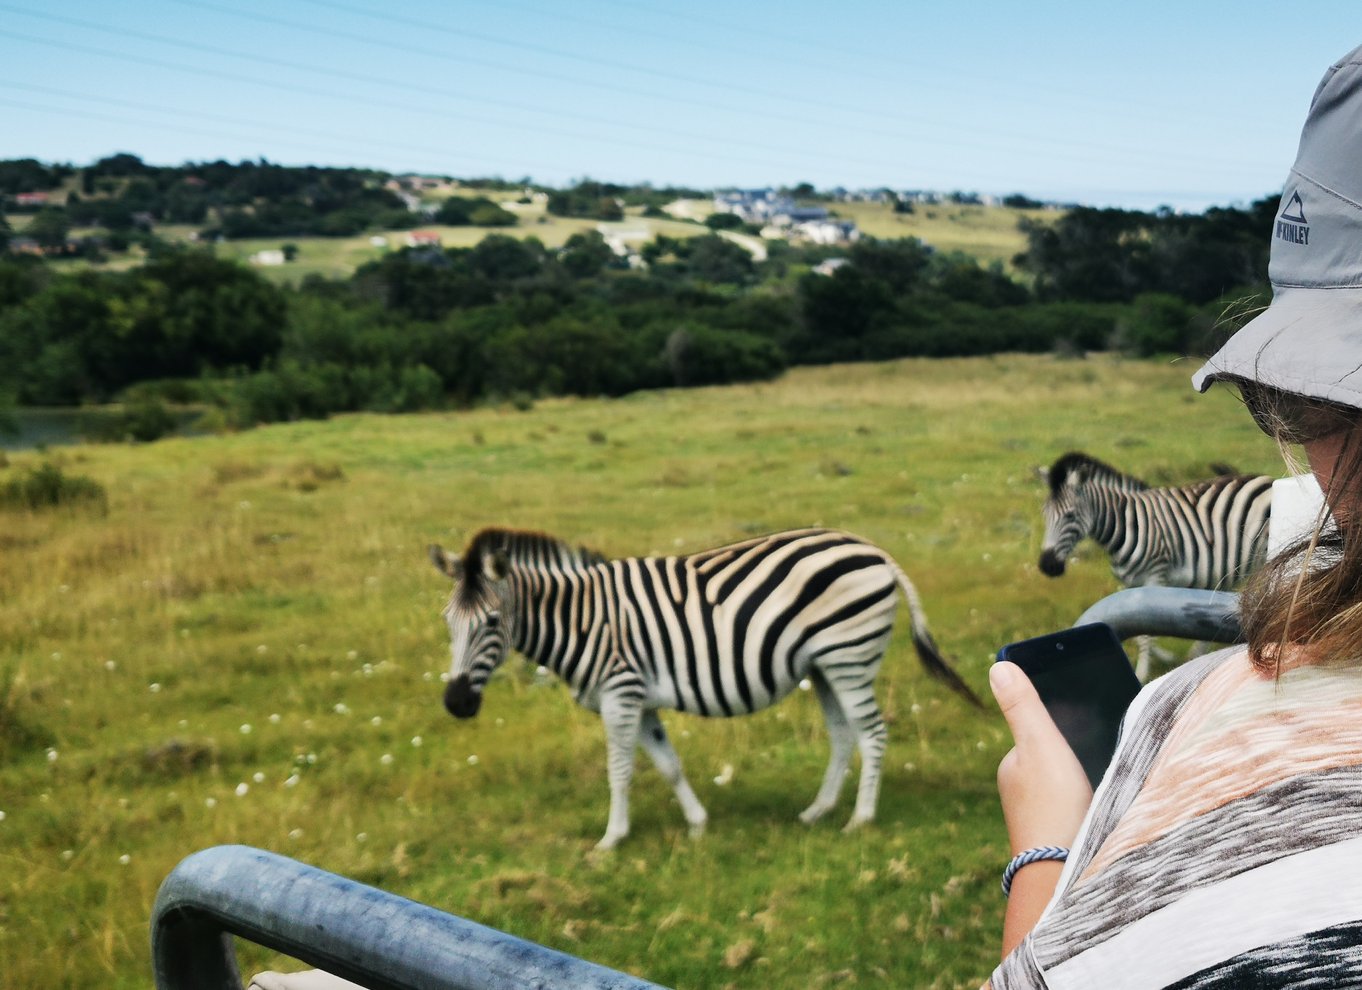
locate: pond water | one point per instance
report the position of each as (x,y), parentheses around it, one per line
(51,427)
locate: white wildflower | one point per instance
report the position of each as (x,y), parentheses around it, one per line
(51,756)
(292,781)
(154,687)
(473,760)
(110,664)
(242,789)
(725,775)
(211,802)
(386,759)
(262,648)
(342,708)
(258,777)
(376,721)
(296,833)
(125,859)
(245,728)
(416,741)
(274,719)
(362,837)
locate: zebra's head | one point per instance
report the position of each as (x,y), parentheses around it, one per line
(1067,511)
(478,613)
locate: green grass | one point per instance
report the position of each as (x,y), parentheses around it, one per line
(277,580)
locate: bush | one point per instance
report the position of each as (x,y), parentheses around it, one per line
(46,487)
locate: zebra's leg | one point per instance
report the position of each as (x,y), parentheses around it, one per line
(653,738)
(841,739)
(853,686)
(622,714)
(1144,644)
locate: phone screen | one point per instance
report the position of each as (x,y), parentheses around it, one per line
(1086,682)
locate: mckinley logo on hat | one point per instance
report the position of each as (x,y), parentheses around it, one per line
(1292,226)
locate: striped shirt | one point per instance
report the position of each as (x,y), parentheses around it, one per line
(1223,848)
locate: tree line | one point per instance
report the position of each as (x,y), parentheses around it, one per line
(510,319)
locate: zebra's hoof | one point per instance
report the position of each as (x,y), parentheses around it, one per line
(813,812)
(609,842)
(857,821)
(697,830)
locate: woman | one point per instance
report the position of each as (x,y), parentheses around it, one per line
(1224,846)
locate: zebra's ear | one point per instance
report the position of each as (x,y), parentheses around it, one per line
(446,563)
(495,565)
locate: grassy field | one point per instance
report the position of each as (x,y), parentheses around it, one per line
(989,233)
(247,648)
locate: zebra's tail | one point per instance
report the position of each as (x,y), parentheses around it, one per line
(927,651)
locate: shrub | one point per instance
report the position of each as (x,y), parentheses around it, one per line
(47,487)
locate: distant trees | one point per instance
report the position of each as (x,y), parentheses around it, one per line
(512,318)
(477,211)
(594,200)
(1109,255)
(49,227)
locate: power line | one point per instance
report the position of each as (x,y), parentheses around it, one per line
(374,80)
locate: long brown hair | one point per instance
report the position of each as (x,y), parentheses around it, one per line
(1310,594)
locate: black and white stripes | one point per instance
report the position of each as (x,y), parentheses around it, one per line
(1209,534)
(724,632)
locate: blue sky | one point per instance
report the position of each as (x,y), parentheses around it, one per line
(1128,104)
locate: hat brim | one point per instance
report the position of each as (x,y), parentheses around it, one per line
(1309,341)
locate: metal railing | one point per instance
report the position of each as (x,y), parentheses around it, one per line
(360,933)
(1188,613)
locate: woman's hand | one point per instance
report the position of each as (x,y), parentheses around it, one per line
(1044,792)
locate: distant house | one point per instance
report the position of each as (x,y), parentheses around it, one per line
(830,265)
(826,231)
(378,241)
(30,199)
(624,241)
(423,238)
(268,257)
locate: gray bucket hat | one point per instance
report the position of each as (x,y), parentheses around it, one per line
(1309,340)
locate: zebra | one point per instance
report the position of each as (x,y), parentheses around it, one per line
(1208,534)
(723,632)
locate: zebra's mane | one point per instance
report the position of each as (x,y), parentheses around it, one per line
(526,548)
(1087,468)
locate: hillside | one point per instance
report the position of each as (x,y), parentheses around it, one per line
(987,233)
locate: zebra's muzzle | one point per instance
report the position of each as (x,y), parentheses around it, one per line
(461,700)
(1051,564)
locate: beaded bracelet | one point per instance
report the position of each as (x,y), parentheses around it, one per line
(1057,853)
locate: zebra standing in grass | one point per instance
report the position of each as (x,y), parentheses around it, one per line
(1209,534)
(724,632)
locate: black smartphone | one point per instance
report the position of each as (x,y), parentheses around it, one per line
(1086,682)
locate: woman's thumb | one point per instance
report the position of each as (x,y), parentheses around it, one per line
(1016,695)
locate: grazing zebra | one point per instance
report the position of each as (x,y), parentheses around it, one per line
(724,632)
(1209,534)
